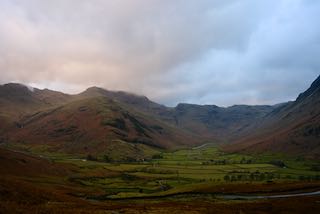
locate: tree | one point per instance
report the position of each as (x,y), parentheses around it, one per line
(262,177)
(252,176)
(243,160)
(278,163)
(106,158)
(226,178)
(157,156)
(91,157)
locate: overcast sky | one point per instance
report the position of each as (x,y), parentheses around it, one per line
(219,52)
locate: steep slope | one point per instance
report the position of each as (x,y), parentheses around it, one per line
(93,122)
(204,121)
(31,180)
(95,126)
(292,128)
(15,164)
(17,100)
(139,102)
(97,121)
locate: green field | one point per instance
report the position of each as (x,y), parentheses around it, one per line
(180,171)
(177,172)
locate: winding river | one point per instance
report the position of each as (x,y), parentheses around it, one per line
(248,197)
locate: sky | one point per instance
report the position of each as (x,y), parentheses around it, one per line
(220,52)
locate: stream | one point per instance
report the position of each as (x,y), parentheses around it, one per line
(218,196)
(248,197)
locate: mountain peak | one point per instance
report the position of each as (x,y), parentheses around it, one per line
(95,88)
(15,89)
(314,88)
(121,95)
(15,85)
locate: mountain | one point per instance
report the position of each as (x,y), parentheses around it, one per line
(219,123)
(205,121)
(20,99)
(94,123)
(102,122)
(133,100)
(17,100)
(291,128)
(97,122)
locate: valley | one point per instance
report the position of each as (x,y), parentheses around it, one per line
(105,151)
(159,107)
(185,176)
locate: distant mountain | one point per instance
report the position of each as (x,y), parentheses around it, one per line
(291,128)
(222,124)
(99,121)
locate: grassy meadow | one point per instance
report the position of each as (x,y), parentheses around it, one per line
(186,170)
(187,179)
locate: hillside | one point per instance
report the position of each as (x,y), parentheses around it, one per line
(96,119)
(209,121)
(222,124)
(98,126)
(292,128)
(17,99)
(102,122)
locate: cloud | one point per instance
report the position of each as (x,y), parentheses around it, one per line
(201,51)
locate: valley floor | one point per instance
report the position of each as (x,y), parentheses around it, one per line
(199,180)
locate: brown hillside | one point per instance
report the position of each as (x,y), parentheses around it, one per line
(293,128)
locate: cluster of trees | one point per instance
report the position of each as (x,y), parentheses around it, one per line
(309,178)
(224,162)
(315,167)
(278,163)
(156,170)
(109,159)
(157,156)
(265,176)
(91,158)
(246,161)
(215,162)
(254,176)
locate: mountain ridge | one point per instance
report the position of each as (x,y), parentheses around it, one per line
(292,128)
(68,122)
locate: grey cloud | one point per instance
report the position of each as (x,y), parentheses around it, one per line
(215,52)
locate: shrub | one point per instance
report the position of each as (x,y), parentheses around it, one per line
(226,178)
(278,163)
(157,156)
(91,157)
(107,159)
